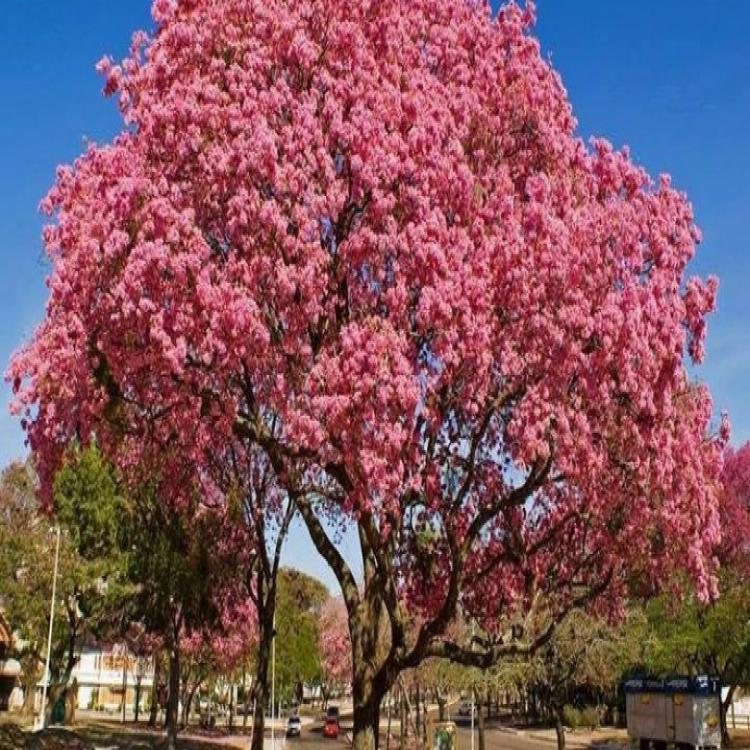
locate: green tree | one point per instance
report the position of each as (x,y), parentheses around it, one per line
(26,562)
(585,660)
(90,571)
(170,571)
(691,637)
(299,601)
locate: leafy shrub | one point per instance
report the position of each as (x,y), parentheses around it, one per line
(589,717)
(571,717)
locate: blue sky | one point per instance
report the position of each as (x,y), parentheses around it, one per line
(671,79)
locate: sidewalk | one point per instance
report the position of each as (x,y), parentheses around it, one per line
(607,737)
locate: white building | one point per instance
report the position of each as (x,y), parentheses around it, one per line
(105,675)
(10,670)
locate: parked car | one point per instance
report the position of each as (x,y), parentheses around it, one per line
(293,726)
(466,708)
(331,728)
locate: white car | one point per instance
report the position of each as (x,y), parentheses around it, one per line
(293,727)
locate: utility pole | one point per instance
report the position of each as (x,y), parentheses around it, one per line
(42,717)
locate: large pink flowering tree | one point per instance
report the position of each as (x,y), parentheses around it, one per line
(360,242)
(335,646)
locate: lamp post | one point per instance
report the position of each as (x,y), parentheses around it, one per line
(42,717)
(473,691)
(273,682)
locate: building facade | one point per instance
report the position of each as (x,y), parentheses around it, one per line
(102,677)
(10,670)
(105,676)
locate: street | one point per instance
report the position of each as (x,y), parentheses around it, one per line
(112,734)
(497,737)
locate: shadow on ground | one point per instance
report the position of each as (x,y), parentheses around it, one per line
(93,738)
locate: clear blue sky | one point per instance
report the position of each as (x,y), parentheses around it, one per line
(669,78)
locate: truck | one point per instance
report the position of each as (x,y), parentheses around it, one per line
(683,712)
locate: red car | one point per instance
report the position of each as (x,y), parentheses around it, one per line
(331,728)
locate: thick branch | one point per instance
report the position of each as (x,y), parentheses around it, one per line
(328,551)
(486,657)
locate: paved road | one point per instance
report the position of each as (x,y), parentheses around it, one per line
(312,737)
(496,739)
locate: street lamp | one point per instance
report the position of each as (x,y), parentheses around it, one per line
(41,721)
(273,682)
(473,690)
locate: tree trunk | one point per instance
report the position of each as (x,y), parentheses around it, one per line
(260,686)
(154,710)
(559,729)
(440,698)
(56,691)
(244,696)
(174,696)
(29,694)
(71,696)
(231,706)
(124,684)
(366,719)
(725,705)
(53,693)
(402,727)
(137,706)
(31,674)
(187,708)
(390,719)
(418,710)
(480,719)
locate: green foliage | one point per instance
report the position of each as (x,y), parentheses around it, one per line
(88,504)
(688,636)
(90,572)
(299,601)
(589,717)
(584,718)
(170,568)
(93,513)
(589,654)
(308,594)
(571,717)
(27,554)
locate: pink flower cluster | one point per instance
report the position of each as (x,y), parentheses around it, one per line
(734,550)
(335,644)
